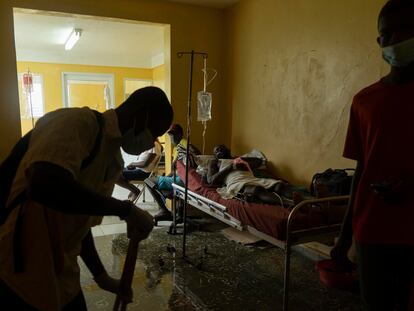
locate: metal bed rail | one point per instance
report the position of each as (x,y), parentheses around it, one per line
(291,234)
(293,237)
(209,207)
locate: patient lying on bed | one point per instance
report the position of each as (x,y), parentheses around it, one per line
(235,178)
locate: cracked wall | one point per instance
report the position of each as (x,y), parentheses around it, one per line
(294,67)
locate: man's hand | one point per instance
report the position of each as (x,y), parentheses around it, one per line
(239,163)
(339,252)
(130,166)
(139,223)
(132,196)
(110,284)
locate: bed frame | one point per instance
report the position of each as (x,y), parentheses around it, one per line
(293,237)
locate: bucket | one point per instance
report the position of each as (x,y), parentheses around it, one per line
(333,276)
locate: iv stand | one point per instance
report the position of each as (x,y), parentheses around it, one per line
(190,89)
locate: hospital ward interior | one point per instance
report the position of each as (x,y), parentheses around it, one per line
(269,81)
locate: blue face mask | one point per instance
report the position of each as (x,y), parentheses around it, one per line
(137,143)
(400,54)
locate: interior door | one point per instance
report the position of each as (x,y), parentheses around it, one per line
(91,90)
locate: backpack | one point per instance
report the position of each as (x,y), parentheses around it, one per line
(8,169)
(334,182)
(9,166)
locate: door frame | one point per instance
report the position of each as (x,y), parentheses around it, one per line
(87,76)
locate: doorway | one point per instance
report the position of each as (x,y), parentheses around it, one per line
(107,60)
(95,91)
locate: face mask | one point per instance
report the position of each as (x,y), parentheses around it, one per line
(136,144)
(400,54)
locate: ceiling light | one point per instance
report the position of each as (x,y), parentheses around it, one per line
(73,38)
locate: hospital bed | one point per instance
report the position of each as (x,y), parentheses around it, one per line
(309,220)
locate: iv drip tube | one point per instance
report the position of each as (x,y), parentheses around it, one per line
(206,82)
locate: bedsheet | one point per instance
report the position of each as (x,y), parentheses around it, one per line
(269,219)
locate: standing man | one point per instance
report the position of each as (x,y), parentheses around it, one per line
(55,199)
(380,138)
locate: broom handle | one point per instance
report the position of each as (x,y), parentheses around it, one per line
(127,274)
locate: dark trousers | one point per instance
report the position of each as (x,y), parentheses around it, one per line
(386,274)
(135,174)
(10,301)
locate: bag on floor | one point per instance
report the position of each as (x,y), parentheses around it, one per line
(332,182)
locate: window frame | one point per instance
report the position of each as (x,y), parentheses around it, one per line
(41,82)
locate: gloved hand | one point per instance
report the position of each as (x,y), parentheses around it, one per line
(139,223)
(110,284)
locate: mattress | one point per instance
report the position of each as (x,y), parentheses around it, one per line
(269,219)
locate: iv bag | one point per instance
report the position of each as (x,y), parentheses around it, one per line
(204,106)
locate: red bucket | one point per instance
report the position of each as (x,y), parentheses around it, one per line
(333,276)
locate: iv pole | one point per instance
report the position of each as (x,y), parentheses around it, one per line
(190,90)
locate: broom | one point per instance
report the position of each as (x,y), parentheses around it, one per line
(127,274)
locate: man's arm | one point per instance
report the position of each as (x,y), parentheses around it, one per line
(134,191)
(54,187)
(90,257)
(254,163)
(143,163)
(340,251)
(215,176)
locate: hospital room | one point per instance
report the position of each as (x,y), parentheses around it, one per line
(206,155)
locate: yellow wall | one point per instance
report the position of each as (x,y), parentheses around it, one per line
(158,76)
(293,69)
(91,95)
(287,71)
(191,28)
(52,81)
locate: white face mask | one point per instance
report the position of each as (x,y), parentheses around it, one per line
(136,144)
(400,54)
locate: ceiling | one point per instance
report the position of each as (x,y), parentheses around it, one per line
(40,37)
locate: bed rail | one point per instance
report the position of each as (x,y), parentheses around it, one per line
(208,206)
(293,237)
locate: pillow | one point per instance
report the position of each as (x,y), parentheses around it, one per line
(202,159)
(254,153)
(202,163)
(195,182)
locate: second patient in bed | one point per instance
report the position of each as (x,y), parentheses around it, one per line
(237,179)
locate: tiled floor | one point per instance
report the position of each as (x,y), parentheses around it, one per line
(216,274)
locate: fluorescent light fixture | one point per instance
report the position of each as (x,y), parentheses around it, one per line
(73,38)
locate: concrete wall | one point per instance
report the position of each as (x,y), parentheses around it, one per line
(293,69)
(191,28)
(287,71)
